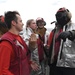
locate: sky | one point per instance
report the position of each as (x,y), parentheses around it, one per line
(31,9)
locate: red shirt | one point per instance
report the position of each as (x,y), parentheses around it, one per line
(6,52)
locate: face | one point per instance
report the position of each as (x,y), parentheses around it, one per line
(40,24)
(33,25)
(19,24)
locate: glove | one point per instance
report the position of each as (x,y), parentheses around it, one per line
(64,35)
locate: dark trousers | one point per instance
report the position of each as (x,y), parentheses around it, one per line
(52,70)
(65,71)
(61,71)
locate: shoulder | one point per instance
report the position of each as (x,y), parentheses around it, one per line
(5,47)
(72,26)
(6,44)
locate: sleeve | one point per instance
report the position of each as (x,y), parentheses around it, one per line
(5,53)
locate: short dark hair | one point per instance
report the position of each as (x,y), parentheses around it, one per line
(9,16)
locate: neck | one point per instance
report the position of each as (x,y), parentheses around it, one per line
(14,32)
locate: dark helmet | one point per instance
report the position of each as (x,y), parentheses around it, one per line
(63,16)
(40,21)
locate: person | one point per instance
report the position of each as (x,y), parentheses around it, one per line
(37,51)
(62,56)
(41,30)
(66,54)
(53,48)
(43,35)
(3,26)
(14,55)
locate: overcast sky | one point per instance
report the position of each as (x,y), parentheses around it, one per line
(31,9)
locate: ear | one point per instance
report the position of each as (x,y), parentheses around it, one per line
(13,23)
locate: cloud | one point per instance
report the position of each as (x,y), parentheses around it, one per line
(37,8)
(3,1)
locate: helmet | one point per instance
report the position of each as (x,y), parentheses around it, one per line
(1,18)
(63,16)
(3,26)
(40,21)
(2,22)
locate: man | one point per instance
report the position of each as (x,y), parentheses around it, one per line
(41,30)
(43,35)
(66,57)
(14,54)
(59,63)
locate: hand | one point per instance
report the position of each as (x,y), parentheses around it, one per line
(33,40)
(64,35)
(34,66)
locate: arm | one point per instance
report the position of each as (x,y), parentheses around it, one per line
(5,53)
(33,41)
(67,34)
